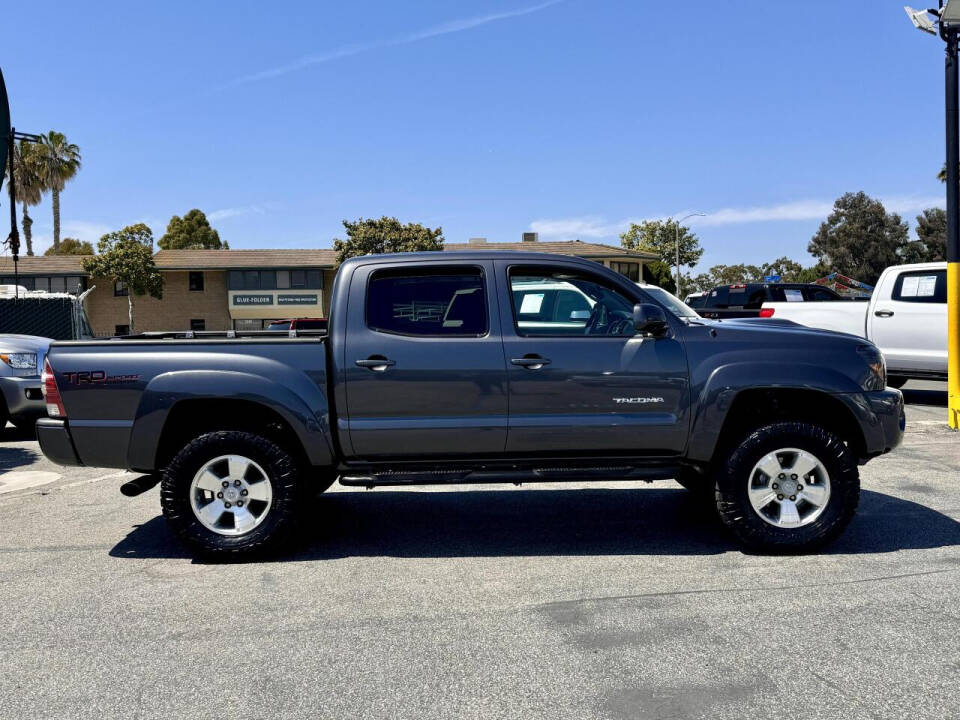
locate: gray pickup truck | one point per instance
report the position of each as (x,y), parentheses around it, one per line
(478,367)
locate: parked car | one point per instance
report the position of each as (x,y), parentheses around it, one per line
(906,317)
(21,362)
(478,367)
(744,300)
(298,324)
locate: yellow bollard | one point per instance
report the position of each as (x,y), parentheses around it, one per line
(953,344)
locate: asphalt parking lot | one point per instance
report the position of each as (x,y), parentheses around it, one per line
(563,601)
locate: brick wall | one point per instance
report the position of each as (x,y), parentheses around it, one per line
(178,307)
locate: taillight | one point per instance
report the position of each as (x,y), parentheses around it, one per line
(767,312)
(51,392)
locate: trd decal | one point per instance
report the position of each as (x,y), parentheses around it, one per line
(97,377)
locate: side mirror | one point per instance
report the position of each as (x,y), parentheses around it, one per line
(649,318)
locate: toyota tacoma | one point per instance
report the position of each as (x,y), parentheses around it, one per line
(480,367)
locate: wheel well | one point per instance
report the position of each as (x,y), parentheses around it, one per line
(754,408)
(189,419)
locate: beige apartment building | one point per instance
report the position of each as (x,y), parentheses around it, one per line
(246,289)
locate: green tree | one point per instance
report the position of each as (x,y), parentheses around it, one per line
(859,238)
(29,185)
(126,256)
(58,162)
(931,243)
(386,235)
(71,246)
(191,232)
(660,238)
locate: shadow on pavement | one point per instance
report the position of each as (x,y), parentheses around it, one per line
(936,398)
(14,457)
(11,433)
(493,523)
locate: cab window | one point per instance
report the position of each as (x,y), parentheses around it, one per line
(559,303)
(434,302)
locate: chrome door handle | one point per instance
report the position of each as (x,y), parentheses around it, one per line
(375,363)
(531,362)
(883,313)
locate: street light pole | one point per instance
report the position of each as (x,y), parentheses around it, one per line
(949,34)
(676,229)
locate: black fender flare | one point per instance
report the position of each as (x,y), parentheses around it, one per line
(726,382)
(300,402)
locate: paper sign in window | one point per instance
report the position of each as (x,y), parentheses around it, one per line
(531,304)
(793,295)
(927,285)
(910,285)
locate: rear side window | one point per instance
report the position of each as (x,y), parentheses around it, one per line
(417,302)
(820,295)
(921,286)
(750,296)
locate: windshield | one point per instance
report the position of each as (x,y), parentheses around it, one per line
(673,304)
(283,326)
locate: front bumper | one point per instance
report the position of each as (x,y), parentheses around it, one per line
(55,441)
(23,396)
(885,422)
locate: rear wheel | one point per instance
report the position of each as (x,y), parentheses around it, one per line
(231,493)
(788,487)
(896,381)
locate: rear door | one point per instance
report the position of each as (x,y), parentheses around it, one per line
(908,322)
(580,381)
(424,364)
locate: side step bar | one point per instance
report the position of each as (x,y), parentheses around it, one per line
(508,475)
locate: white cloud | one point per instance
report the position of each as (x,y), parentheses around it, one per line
(453,26)
(594,226)
(225,213)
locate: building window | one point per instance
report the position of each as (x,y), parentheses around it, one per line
(275,280)
(120,290)
(630,270)
(196,282)
(198,324)
(248,324)
(121,329)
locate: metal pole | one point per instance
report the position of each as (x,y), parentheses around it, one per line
(14,234)
(953,230)
(677,232)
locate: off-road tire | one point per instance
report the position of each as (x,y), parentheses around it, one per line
(285,478)
(754,533)
(896,381)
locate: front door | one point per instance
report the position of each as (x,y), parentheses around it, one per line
(424,365)
(581,381)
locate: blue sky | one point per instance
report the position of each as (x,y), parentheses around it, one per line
(569,117)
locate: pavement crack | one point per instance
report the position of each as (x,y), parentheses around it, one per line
(770,588)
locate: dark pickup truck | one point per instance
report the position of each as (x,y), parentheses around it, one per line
(745,300)
(478,367)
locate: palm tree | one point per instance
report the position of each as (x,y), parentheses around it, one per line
(29,187)
(58,161)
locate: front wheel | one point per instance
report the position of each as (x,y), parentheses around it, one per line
(231,493)
(788,487)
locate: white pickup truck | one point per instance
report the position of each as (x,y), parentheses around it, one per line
(906,318)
